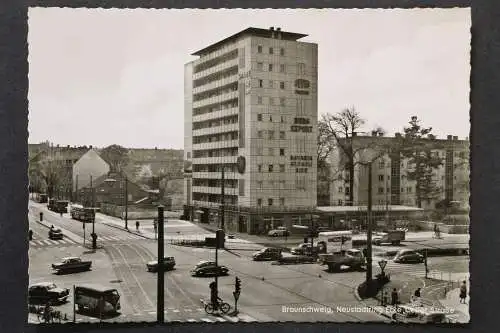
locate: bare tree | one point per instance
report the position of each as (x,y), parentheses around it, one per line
(116,156)
(340,129)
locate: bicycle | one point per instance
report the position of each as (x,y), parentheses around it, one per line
(221,305)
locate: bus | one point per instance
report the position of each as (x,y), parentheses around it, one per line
(334,241)
(97,299)
(84,214)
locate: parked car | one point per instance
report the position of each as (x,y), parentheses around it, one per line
(45,292)
(168,264)
(408,256)
(278,233)
(267,253)
(55,234)
(393,237)
(208,268)
(71,264)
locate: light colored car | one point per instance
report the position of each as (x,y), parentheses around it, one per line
(278,233)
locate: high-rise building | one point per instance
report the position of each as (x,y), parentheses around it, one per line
(251,109)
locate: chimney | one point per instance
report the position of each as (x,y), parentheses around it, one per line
(455,138)
(279,32)
(449,137)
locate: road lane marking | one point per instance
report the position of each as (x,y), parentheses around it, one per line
(207,320)
(188,310)
(46,242)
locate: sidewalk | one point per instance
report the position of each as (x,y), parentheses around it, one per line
(461,311)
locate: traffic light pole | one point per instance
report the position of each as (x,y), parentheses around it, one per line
(160,302)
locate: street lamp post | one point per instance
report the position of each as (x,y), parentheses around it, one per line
(369,231)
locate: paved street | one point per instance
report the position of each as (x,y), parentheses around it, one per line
(305,292)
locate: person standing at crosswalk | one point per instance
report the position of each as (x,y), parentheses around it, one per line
(394,297)
(463,292)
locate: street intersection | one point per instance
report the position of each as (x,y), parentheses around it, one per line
(302,293)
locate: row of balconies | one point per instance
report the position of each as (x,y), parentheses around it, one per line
(216,99)
(218,68)
(216,145)
(216,129)
(215,84)
(216,114)
(214,190)
(215,175)
(215,160)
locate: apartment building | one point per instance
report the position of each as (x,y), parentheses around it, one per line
(390,182)
(251,110)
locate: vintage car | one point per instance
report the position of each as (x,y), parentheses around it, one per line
(168,264)
(208,268)
(267,253)
(71,264)
(45,292)
(55,234)
(408,256)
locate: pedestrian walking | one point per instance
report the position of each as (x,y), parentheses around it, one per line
(417,292)
(463,292)
(137,225)
(394,297)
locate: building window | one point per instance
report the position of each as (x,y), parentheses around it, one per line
(259,49)
(282,68)
(269,202)
(261,83)
(282,119)
(282,85)
(271,100)
(259,184)
(282,51)
(270,67)
(282,151)
(270,83)
(259,167)
(259,117)
(380,190)
(282,101)
(271,50)
(340,202)
(271,118)
(402,190)
(282,201)
(188,154)
(260,66)
(270,168)
(341,189)
(381,164)
(259,100)
(282,135)
(282,168)
(381,178)
(409,189)
(260,151)
(270,151)
(259,134)
(388,190)
(347,190)
(259,202)
(301,68)
(271,135)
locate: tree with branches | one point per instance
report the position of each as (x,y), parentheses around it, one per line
(337,132)
(116,156)
(417,146)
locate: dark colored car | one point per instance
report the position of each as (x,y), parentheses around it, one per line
(55,234)
(45,292)
(267,253)
(71,264)
(208,268)
(168,264)
(408,256)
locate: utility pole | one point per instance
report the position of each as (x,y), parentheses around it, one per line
(222,201)
(76,189)
(160,302)
(369,231)
(126,202)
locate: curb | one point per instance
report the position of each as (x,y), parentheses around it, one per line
(46,226)
(123,229)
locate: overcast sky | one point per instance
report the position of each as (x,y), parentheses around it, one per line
(100,77)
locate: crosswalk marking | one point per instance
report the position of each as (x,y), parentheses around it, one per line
(246,318)
(220,319)
(232,319)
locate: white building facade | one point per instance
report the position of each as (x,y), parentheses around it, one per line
(251,108)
